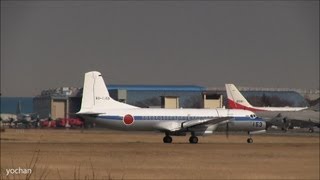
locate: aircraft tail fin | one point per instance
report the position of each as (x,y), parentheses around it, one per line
(95,96)
(235,99)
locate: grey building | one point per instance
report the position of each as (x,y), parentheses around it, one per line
(56,103)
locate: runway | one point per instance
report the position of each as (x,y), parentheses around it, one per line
(100,154)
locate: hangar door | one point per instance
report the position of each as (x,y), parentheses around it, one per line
(211,101)
(170,102)
(58,109)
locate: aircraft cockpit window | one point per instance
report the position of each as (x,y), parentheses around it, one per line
(253,116)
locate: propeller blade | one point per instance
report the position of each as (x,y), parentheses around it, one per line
(227,130)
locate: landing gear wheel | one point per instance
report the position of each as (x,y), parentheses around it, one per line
(311,130)
(167,139)
(193,139)
(249,140)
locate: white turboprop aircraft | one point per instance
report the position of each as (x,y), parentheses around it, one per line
(237,101)
(99,107)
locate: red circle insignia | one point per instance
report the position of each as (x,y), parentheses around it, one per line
(128,119)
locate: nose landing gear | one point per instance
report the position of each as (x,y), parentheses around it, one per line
(250,140)
(311,130)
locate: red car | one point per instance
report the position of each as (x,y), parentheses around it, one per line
(70,122)
(47,123)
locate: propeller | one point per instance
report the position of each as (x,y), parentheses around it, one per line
(227,130)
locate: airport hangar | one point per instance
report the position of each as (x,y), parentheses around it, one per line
(64,102)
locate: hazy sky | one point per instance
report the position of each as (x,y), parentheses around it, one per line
(250,43)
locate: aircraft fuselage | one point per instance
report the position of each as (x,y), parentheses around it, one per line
(151,119)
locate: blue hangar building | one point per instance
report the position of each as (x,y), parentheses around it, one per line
(161,96)
(61,102)
(65,101)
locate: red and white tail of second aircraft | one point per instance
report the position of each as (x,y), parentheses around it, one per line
(237,101)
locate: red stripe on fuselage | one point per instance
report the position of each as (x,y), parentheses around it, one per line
(234,105)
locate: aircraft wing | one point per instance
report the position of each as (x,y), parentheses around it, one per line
(178,126)
(89,113)
(196,122)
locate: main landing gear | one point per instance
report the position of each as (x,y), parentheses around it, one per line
(167,139)
(193,139)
